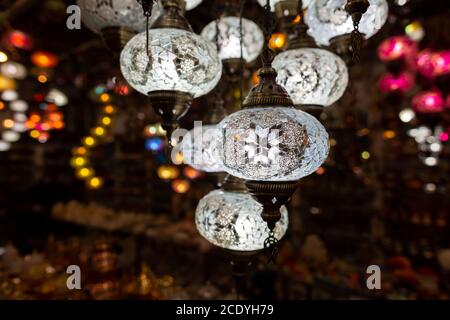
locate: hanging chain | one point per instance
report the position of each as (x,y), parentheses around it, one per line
(147,6)
(272,246)
(356,9)
(268,26)
(241,44)
(357,40)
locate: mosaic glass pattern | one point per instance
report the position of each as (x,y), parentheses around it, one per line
(229,38)
(232,220)
(179,60)
(327,19)
(272,144)
(311,76)
(100,14)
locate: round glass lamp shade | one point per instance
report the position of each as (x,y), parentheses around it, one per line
(328,19)
(229,38)
(101,14)
(179,60)
(232,220)
(272,144)
(274,2)
(311,76)
(200,148)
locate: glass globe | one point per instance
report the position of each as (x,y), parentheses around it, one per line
(200,149)
(232,220)
(180,61)
(229,38)
(272,144)
(328,19)
(311,76)
(100,14)
(191,4)
(274,2)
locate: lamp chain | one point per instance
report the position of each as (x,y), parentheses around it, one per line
(241,44)
(147,6)
(272,247)
(268,26)
(356,9)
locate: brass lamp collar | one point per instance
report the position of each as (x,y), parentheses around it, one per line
(234,184)
(172,16)
(267,93)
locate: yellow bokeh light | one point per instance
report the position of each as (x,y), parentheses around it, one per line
(2,105)
(79,161)
(7,83)
(84,173)
(95,182)
(3,57)
(99,131)
(365,155)
(104,97)
(106,121)
(89,141)
(8,123)
(167,172)
(35,134)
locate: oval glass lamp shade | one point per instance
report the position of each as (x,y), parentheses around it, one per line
(229,38)
(328,19)
(232,220)
(179,61)
(101,14)
(200,149)
(272,144)
(311,76)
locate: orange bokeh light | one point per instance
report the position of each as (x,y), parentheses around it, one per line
(44,59)
(277,41)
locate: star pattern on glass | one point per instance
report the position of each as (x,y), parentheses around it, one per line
(262,145)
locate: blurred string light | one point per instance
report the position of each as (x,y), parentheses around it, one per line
(18,106)
(18,39)
(81,160)
(191,173)
(57,97)
(3,57)
(13,70)
(4,146)
(168,172)
(181,186)
(44,59)
(154,144)
(154,130)
(277,41)
(7,83)
(415,31)
(406,115)
(401,82)
(396,47)
(9,95)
